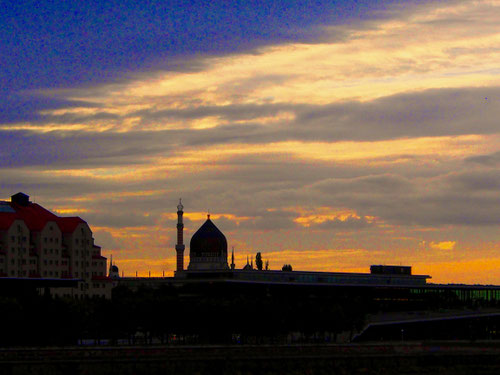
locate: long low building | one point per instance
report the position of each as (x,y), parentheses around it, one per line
(208,266)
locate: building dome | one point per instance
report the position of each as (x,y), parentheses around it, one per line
(114,272)
(208,248)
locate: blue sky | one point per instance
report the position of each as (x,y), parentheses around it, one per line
(54,44)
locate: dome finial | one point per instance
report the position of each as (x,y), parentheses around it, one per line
(180,206)
(208,214)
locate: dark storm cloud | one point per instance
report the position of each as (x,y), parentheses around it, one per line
(476,181)
(465,198)
(117,219)
(62,149)
(437,112)
(405,196)
(428,113)
(26,107)
(487,160)
(373,184)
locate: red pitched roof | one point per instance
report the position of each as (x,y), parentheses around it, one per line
(69,224)
(6,219)
(36,217)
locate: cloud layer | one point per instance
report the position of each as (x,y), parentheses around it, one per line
(377,137)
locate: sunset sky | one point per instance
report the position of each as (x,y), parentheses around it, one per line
(330,135)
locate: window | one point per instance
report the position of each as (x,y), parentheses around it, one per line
(57,240)
(45,251)
(50,261)
(57,262)
(45,261)
(50,273)
(45,239)
(57,251)
(76,274)
(24,238)
(76,263)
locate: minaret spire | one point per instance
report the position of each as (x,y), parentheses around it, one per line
(179,247)
(233,266)
(110,265)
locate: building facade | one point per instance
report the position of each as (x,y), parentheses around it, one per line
(37,244)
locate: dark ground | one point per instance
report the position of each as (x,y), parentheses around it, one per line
(391,358)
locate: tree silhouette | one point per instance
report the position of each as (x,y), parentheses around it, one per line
(258,261)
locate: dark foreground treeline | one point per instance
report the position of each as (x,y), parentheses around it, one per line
(228,313)
(172,315)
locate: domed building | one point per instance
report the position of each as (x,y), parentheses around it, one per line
(208,248)
(114,272)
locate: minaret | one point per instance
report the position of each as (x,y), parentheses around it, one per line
(233,266)
(179,247)
(110,265)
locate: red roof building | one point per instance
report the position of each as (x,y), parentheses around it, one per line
(36,243)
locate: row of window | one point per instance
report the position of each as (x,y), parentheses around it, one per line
(19,239)
(19,249)
(50,239)
(51,251)
(51,262)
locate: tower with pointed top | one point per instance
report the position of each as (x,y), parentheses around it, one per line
(233,266)
(179,247)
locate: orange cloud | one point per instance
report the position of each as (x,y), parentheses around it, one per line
(443,245)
